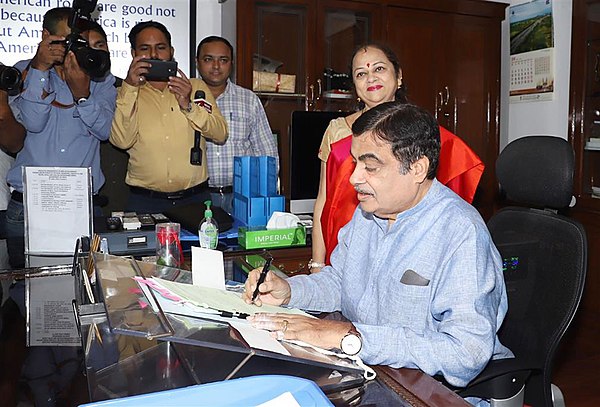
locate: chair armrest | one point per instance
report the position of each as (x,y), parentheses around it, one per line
(500,379)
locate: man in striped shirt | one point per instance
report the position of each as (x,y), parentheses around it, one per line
(249,130)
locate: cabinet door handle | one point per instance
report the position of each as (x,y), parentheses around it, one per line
(447,98)
(312,96)
(439,102)
(319,89)
(596,68)
(306,98)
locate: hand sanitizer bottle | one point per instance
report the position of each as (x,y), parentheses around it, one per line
(208,231)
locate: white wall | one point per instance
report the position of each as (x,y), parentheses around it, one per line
(215,17)
(548,117)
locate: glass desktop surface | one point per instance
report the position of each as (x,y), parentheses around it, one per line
(134,348)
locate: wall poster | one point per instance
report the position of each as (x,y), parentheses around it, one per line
(531,51)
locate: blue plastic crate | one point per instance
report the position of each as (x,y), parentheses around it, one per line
(250,210)
(267,176)
(245,176)
(247,391)
(275,204)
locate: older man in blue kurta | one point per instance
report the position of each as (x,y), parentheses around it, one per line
(415,273)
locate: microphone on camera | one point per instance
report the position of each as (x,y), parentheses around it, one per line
(196,151)
(200,100)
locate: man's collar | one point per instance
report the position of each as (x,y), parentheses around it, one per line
(229,88)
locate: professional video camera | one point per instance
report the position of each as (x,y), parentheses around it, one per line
(10,79)
(95,62)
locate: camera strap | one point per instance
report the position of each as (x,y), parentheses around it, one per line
(54,102)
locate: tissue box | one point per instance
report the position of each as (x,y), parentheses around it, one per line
(273,82)
(262,238)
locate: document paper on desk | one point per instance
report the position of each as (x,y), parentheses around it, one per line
(256,338)
(221,300)
(214,299)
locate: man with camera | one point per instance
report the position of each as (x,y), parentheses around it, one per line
(162,130)
(249,129)
(12,134)
(66,107)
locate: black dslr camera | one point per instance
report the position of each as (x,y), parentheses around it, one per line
(95,62)
(10,79)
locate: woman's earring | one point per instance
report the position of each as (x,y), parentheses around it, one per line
(358,100)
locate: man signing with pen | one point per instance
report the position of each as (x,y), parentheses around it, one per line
(415,272)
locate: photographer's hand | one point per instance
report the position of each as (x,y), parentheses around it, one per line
(181,87)
(137,70)
(49,54)
(76,78)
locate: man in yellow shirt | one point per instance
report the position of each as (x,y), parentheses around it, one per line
(156,122)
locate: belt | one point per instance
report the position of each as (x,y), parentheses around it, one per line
(184,193)
(18,196)
(221,190)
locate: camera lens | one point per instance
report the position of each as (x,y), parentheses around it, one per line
(10,78)
(93,61)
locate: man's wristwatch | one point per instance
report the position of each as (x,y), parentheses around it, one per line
(351,343)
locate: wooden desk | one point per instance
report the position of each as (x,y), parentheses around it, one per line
(418,388)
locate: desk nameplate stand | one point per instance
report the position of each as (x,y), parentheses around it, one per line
(136,348)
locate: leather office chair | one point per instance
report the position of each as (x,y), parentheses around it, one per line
(545,261)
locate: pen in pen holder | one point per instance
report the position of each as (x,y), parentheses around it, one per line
(168,245)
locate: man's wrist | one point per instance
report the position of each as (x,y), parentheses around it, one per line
(81,99)
(351,342)
(187,109)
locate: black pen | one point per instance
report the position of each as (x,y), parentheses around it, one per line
(227,314)
(261,279)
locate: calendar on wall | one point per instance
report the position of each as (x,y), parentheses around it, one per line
(532,76)
(531,51)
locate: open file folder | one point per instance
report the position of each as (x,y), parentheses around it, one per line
(145,349)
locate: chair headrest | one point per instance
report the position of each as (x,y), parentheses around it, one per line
(537,170)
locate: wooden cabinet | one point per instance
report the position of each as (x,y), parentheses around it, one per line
(584,129)
(449,52)
(584,126)
(304,37)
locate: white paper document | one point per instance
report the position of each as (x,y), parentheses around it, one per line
(207,268)
(255,338)
(286,399)
(220,299)
(50,311)
(57,208)
(258,338)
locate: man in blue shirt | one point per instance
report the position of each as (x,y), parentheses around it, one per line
(249,129)
(66,114)
(415,272)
